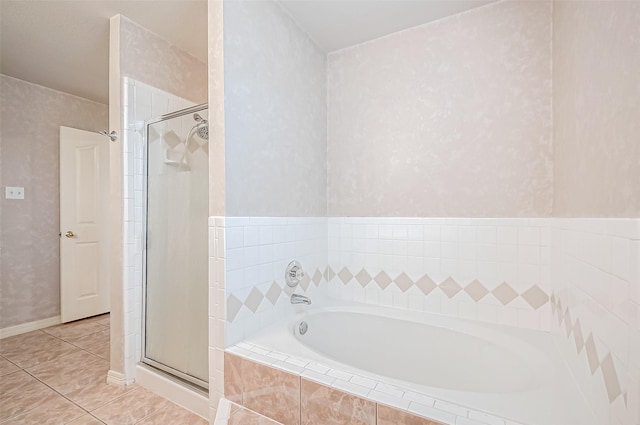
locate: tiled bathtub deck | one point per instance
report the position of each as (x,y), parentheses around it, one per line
(368,389)
(58,376)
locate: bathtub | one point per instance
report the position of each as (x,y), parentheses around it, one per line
(409,359)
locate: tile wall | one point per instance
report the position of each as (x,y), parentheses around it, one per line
(217,297)
(141,102)
(492,270)
(293,396)
(258,250)
(596,311)
(577,278)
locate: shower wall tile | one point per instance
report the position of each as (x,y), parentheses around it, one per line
(258,250)
(487,269)
(29,141)
(595,302)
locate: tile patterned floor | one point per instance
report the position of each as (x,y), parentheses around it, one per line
(58,375)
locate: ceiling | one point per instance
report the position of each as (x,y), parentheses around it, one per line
(336,24)
(64,45)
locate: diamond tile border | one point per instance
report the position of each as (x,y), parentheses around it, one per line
(595,360)
(535,296)
(256,300)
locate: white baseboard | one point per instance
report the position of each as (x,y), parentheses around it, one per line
(117,378)
(28,327)
(174,391)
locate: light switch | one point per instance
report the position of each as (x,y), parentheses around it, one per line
(13,192)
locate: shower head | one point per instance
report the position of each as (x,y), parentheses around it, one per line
(202,127)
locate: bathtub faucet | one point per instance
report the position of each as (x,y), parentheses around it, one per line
(300,299)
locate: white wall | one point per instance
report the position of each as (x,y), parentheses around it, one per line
(275,114)
(448,119)
(31,117)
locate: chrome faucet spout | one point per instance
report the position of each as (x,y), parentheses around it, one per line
(300,299)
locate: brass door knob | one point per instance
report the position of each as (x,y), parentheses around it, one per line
(69,234)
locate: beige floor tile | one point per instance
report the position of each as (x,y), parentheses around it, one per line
(81,377)
(20,393)
(73,330)
(98,338)
(54,410)
(87,420)
(131,407)
(6,367)
(30,355)
(26,340)
(174,415)
(96,343)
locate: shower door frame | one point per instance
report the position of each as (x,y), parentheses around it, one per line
(143,348)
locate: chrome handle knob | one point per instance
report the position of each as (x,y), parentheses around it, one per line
(293,274)
(69,234)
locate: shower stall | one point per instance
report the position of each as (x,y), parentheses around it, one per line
(175,291)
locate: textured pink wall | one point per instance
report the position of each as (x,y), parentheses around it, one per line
(148,58)
(452,118)
(596,108)
(29,143)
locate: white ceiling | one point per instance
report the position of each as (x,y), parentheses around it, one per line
(336,24)
(64,45)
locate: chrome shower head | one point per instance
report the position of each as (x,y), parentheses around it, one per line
(202,127)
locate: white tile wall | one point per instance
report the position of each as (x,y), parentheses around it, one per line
(258,250)
(594,264)
(492,251)
(596,276)
(141,102)
(217,300)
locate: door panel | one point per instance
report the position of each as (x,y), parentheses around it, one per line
(84,240)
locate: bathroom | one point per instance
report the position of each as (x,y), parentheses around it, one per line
(457,182)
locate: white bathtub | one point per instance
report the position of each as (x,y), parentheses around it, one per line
(507,372)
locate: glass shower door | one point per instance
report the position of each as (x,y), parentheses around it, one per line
(176,288)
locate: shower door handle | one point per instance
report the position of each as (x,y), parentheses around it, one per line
(69,234)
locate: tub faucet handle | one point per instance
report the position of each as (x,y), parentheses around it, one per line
(293,274)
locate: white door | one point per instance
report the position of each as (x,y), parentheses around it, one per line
(84,236)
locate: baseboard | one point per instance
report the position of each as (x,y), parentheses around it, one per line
(155,381)
(117,378)
(28,327)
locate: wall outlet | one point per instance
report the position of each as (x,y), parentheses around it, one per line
(13,192)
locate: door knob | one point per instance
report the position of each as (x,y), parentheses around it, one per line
(69,234)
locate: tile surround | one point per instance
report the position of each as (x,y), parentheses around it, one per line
(595,305)
(324,405)
(257,252)
(515,245)
(348,402)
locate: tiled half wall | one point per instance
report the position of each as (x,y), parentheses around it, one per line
(493,270)
(258,250)
(576,277)
(596,311)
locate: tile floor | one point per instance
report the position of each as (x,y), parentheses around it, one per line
(58,375)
